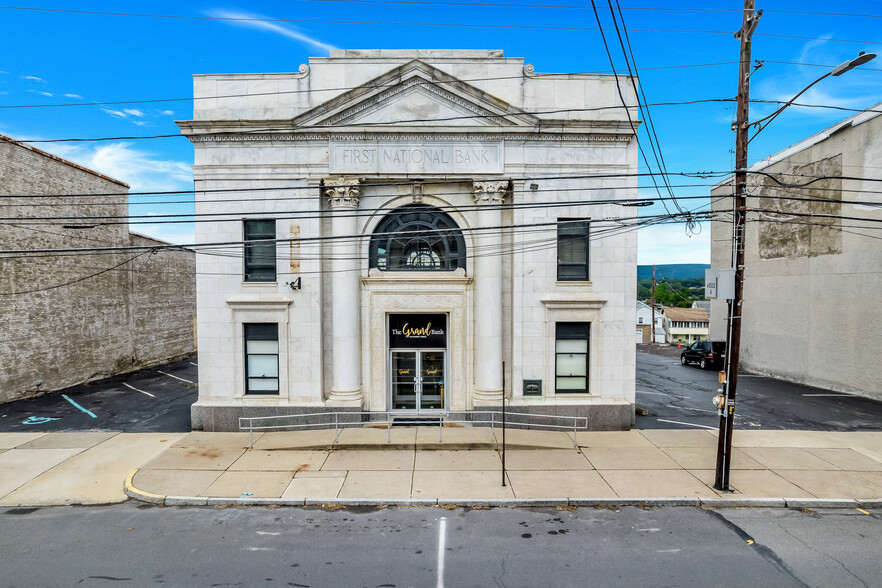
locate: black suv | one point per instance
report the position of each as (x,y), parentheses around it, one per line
(708,354)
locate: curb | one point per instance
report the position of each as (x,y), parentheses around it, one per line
(336,503)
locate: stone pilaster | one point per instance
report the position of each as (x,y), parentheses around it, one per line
(488,292)
(343,194)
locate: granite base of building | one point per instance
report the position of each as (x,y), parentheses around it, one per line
(615,417)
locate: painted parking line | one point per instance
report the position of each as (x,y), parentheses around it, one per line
(832,394)
(88,412)
(175,377)
(136,390)
(688,424)
(191,363)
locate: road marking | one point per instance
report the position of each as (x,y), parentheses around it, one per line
(88,412)
(191,363)
(863,511)
(175,377)
(136,390)
(267,533)
(825,394)
(442,541)
(34,420)
(687,424)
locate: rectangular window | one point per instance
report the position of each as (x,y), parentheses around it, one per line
(260,256)
(261,358)
(572,250)
(571,357)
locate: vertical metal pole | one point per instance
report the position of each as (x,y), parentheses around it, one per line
(388,428)
(492,432)
(336,431)
(652,326)
(503,423)
(727,414)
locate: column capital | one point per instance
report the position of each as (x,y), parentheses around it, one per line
(342,192)
(492,192)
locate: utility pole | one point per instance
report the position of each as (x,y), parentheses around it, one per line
(652,328)
(727,406)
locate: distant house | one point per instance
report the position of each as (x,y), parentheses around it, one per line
(72,318)
(813,258)
(685,324)
(644,324)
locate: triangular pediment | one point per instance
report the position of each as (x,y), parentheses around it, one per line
(416,94)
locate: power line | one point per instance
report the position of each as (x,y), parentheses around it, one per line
(293,129)
(582,7)
(539,75)
(421,24)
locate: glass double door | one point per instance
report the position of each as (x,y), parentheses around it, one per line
(417,379)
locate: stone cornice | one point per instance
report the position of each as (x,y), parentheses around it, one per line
(411,136)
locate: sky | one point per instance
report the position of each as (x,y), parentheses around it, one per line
(683,51)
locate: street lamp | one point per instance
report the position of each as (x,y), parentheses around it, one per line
(837,71)
(725,402)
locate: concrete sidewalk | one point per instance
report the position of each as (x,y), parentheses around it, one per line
(769,468)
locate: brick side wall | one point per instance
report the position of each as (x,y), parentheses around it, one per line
(60,324)
(163,298)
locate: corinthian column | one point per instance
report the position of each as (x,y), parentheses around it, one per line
(488,293)
(343,194)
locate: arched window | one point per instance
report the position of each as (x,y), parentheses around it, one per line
(417,238)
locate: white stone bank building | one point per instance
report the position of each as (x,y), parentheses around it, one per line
(409,231)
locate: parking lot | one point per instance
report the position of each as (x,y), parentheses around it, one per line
(155,400)
(669,396)
(677,396)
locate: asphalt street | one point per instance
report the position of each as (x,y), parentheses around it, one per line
(155,400)
(678,396)
(143,545)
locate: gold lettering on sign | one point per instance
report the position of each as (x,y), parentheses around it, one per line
(403,372)
(416,332)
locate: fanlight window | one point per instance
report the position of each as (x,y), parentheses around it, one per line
(417,238)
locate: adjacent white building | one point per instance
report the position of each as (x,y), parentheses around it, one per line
(645,331)
(813,260)
(423,231)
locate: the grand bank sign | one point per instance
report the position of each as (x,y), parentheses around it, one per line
(388,157)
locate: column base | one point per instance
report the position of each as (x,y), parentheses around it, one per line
(484,397)
(345,398)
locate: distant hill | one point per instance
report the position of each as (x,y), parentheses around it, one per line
(673,271)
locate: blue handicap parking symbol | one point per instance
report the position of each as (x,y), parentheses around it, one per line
(38,420)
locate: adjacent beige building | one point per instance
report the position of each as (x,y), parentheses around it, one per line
(66,319)
(685,325)
(813,260)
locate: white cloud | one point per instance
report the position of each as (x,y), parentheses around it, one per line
(73,96)
(141,170)
(854,90)
(167,113)
(34,78)
(40,92)
(115,113)
(133,112)
(176,234)
(670,244)
(247,20)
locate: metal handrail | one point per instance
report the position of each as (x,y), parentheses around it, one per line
(386,418)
